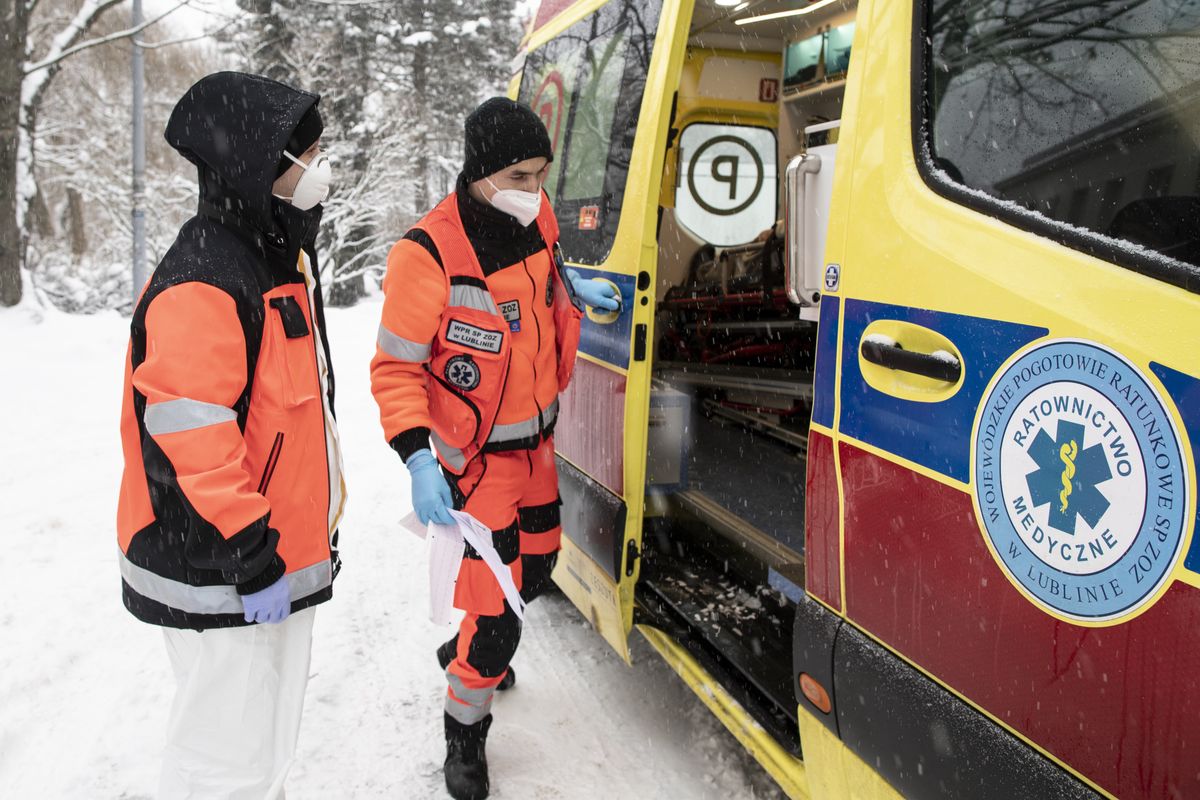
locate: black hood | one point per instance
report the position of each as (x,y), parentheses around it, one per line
(234,127)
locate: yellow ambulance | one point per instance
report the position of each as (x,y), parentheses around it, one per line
(890,449)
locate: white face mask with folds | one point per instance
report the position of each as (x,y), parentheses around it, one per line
(313,186)
(522,206)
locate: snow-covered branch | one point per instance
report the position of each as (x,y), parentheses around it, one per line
(57,53)
(185,40)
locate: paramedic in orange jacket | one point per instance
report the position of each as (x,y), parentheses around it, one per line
(232,489)
(480,325)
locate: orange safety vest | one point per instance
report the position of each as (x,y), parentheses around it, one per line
(472,345)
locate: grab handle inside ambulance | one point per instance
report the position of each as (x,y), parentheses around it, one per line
(795,221)
(938,366)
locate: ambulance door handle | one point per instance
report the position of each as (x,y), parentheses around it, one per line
(795,223)
(939,366)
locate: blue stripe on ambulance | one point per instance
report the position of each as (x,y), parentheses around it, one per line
(825,373)
(609,342)
(934,435)
(1185,392)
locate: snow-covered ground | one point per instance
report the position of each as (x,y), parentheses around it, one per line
(85,688)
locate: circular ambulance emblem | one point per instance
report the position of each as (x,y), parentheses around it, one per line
(463,372)
(1080,481)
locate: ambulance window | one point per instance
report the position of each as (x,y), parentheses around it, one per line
(727,185)
(1086,113)
(586,84)
(591,127)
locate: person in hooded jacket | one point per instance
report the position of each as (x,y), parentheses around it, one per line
(479,330)
(232,490)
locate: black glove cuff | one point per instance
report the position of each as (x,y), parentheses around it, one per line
(274,571)
(410,441)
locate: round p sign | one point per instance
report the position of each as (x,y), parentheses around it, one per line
(727,192)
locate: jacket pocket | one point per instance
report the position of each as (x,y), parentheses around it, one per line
(468,369)
(455,418)
(291,357)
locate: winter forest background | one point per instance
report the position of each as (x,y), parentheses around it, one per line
(396,77)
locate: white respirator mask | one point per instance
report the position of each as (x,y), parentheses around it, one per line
(523,206)
(313,186)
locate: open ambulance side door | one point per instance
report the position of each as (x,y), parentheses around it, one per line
(601,76)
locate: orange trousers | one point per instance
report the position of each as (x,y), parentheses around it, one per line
(515,493)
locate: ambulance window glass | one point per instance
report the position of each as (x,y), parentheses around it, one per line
(1086,113)
(726,193)
(586,84)
(591,125)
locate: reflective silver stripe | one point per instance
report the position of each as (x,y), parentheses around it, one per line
(473,297)
(451,455)
(218,599)
(467,715)
(515,430)
(525,428)
(184,414)
(473,697)
(400,348)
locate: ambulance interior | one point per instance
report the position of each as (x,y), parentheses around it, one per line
(733,357)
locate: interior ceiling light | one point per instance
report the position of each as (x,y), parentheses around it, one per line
(727,2)
(781,14)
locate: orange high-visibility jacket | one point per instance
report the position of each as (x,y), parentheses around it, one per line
(232,473)
(230,460)
(474,362)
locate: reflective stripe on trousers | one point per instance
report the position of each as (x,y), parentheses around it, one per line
(468,706)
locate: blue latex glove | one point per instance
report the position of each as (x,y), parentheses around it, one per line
(272,604)
(430,492)
(597,294)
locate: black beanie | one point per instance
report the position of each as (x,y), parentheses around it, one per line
(307,131)
(501,133)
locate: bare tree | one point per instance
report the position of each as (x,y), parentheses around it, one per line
(26,76)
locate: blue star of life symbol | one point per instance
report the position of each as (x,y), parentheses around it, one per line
(1067,477)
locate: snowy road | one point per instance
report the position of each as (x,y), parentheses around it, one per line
(84,688)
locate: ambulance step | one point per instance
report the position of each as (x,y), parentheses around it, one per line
(742,636)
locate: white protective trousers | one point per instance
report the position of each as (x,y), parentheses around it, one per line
(236,716)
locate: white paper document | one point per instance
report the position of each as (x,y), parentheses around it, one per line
(447,543)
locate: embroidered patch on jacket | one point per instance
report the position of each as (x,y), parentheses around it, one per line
(463,372)
(474,337)
(511,312)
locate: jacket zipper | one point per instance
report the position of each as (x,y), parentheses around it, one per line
(317,337)
(538,325)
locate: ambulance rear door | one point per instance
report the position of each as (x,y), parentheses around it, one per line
(601,76)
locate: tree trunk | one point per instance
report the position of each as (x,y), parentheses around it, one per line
(420,79)
(75,224)
(14,27)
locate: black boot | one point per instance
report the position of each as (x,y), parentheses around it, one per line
(445,654)
(466,762)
